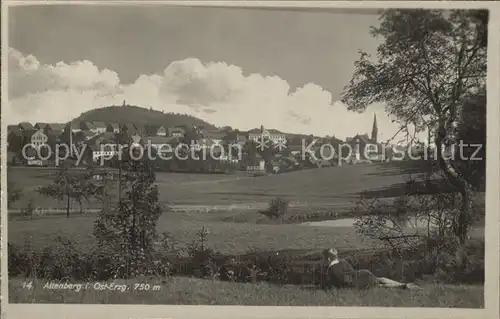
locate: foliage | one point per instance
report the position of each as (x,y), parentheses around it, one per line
(128,228)
(471,132)
(13,193)
(28,211)
(429,64)
(73,185)
(201,257)
(64,260)
(277,208)
(141,115)
(60,188)
(250,153)
(419,232)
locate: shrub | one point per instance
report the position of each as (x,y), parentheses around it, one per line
(201,259)
(278,207)
(13,194)
(458,263)
(64,260)
(29,210)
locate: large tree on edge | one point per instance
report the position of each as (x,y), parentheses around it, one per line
(429,63)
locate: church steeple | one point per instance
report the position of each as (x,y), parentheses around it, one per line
(374,129)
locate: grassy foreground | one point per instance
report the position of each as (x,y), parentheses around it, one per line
(191,291)
(224,237)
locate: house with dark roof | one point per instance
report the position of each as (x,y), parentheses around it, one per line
(365,148)
(26,126)
(55,127)
(47,128)
(155,130)
(100,127)
(106,137)
(360,146)
(113,127)
(40,125)
(87,126)
(141,129)
(27,135)
(128,128)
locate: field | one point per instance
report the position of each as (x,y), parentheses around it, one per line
(227,205)
(332,187)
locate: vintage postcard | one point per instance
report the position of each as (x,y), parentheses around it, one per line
(250,159)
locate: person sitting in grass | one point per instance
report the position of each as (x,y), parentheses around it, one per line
(340,273)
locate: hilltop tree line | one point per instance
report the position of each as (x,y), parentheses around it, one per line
(140,115)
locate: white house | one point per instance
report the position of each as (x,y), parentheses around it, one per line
(39,138)
(176,132)
(275,136)
(107,151)
(259,167)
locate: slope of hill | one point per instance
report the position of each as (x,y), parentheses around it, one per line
(140,115)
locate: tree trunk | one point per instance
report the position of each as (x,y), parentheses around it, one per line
(68,205)
(119,180)
(462,220)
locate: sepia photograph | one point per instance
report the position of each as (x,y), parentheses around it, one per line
(170,154)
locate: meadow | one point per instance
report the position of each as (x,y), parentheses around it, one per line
(332,187)
(227,207)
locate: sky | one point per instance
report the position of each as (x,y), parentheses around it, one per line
(240,67)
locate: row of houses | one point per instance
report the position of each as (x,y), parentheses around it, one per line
(96,127)
(95,134)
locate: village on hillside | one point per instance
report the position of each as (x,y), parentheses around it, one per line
(100,142)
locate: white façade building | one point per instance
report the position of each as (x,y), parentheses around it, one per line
(276,136)
(39,138)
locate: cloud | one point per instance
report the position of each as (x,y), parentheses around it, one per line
(216,92)
(27,76)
